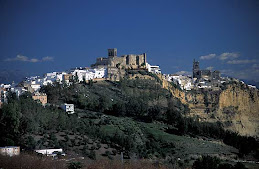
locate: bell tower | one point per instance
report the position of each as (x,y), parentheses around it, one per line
(196,69)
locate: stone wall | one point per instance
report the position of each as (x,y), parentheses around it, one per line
(128,61)
(116,65)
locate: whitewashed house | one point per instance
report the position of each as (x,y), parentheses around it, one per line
(10,150)
(153,69)
(79,73)
(18,90)
(99,73)
(69,108)
(51,152)
(185,82)
(60,77)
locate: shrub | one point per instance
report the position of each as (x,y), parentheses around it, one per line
(98,146)
(107,153)
(74,165)
(114,152)
(92,155)
(206,162)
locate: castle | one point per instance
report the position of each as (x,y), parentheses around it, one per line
(116,66)
(204,74)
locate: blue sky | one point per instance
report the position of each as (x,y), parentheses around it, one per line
(41,36)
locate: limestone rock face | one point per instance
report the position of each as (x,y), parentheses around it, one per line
(240,105)
(236,106)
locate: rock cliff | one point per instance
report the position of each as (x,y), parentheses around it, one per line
(238,107)
(235,105)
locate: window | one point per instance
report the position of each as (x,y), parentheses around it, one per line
(137,60)
(127,60)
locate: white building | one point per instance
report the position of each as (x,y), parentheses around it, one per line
(153,69)
(35,87)
(10,150)
(79,73)
(5,86)
(50,152)
(99,73)
(3,94)
(18,90)
(60,76)
(251,86)
(69,108)
(185,82)
(52,77)
(88,74)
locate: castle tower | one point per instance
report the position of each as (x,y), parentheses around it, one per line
(196,69)
(145,58)
(112,52)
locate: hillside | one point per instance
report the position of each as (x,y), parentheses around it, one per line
(138,118)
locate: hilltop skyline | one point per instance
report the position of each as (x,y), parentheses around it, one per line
(39,37)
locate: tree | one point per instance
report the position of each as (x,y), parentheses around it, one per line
(10,123)
(75,165)
(76,79)
(90,83)
(118,109)
(206,162)
(92,155)
(154,112)
(239,166)
(225,166)
(104,103)
(30,143)
(11,97)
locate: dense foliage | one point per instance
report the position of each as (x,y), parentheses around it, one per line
(207,162)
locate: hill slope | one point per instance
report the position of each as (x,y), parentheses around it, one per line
(137,117)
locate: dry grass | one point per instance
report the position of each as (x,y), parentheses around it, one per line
(106,164)
(29,161)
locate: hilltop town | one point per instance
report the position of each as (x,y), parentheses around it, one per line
(115,68)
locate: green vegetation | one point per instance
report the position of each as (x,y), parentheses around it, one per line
(207,162)
(134,117)
(74,165)
(176,85)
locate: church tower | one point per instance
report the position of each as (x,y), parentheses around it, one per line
(196,69)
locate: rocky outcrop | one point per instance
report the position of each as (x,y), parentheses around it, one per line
(235,105)
(238,107)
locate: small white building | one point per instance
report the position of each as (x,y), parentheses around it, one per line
(251,86)
(99,73)
(3,94)
(60,77)
(35,87)
(79,73)
(89,75)
(10,150)
(69,108)
(185,82)
(51,152)
(6,86)
(18,90)
(153,69)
